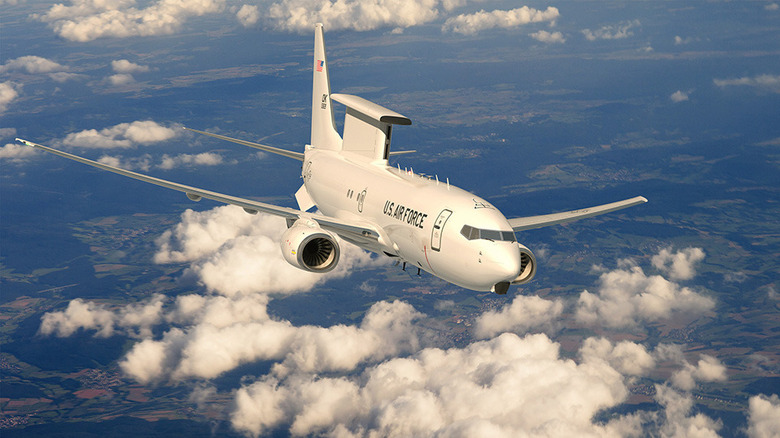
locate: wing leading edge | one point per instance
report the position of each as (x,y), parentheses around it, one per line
(354,230)
(545,220)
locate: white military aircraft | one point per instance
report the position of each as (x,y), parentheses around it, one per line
(431,224)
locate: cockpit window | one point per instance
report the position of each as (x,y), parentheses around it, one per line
(472,233)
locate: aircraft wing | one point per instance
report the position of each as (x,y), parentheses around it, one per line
(195,194)
(545,220)
(284,152)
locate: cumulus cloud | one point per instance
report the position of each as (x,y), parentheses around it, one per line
(548,37)
(9,91)
(772,7)
(360,15)
(202,159)
(763,416)
(248,15)
(627,357)
(523,314)
(678,422)
(16,153)
(469,24)
(765,81)
(224,244)
(627,296)
(32,65)
(612,32)
(87,20)
(125,66)
(124,70)
(708,369)
(229,331)
(679,96)
(680,265)
(124,135)
(143,162)
(135,319)
(507,386)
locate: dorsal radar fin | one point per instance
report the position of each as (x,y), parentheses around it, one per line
(323,125)
(368,127)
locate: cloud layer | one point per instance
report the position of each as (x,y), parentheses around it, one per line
(387,375)
(87,20)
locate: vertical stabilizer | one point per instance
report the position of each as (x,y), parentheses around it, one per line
(323,125)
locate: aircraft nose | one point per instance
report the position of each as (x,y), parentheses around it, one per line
(512,264)
(506,262)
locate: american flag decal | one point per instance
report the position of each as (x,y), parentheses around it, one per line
(320,64)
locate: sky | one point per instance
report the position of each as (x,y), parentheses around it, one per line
(595,86)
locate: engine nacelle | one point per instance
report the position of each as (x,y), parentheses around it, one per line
(527,266)
(310,248)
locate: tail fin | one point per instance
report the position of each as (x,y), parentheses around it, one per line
(323,125)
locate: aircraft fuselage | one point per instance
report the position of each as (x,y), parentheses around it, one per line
(421,219)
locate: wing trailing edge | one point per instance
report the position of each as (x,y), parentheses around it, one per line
(283,152)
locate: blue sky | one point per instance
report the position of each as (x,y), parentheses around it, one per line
(536,106)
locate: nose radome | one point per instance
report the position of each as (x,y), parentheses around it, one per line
(506,262)
(512,264)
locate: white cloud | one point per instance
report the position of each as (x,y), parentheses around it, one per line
(143,162)
(9,91)
(772,7)
(763,416)
(680,265)
(16,153)
(507,386)
(523,314)
(226,332)
(136,319)
(548,37)
(626,357)
(203,159)
(32,65)
(708,369)
(626,296)
(121,79)
(248,15)
(469,24)
(125,66)
(766,81)
(124,135)
(224,244)
(612,32)
(360,15)
(87,20)
(679,96)
(677,423)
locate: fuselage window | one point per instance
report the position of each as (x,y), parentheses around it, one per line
(472,233)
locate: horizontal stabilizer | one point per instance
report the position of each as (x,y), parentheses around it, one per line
(283,152)
(546,220)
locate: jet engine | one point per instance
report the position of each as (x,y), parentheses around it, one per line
(527,266)
(307,246)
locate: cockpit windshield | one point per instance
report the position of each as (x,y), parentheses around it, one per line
(472,233)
